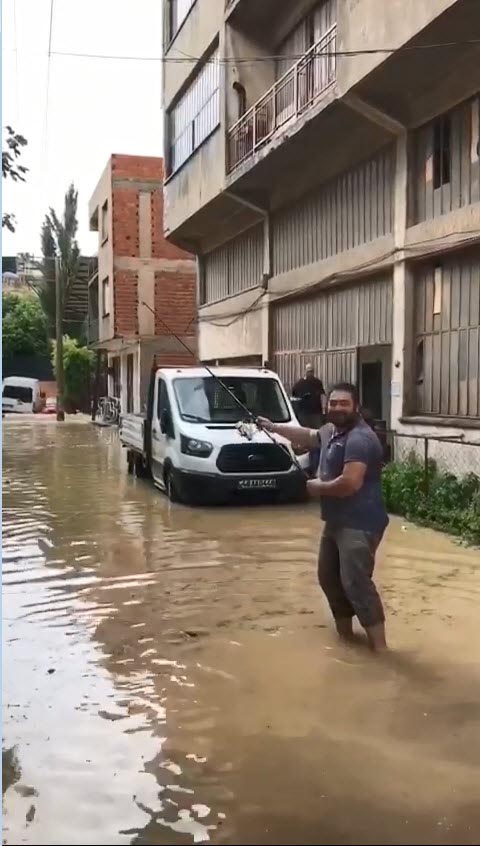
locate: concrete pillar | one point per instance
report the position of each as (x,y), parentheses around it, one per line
(401,284)
(266,329)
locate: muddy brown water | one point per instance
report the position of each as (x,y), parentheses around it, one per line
(171,676)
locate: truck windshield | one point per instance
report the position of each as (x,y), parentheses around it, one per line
(17,392)
(204,400)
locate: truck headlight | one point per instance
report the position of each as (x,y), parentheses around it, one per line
(192,446)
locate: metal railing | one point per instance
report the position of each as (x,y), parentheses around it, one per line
(288,98)
(452,455)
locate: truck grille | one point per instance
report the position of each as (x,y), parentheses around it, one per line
(254,459)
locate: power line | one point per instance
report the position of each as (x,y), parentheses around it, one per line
(47,92)
(15,42)
(185,58)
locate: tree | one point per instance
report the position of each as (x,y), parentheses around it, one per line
(24,326)
(78,364)
(13,144)
(60,266)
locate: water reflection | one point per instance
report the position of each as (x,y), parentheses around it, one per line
(170,675)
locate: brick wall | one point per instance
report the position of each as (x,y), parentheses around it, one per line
(125,303)
(175,303)
(180,359)
(126,239)
(144,168)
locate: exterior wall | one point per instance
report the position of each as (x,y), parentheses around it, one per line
(198,182)
(446,163)
(353,209)
(327,330)
(374,219)
(447,335)
(150,279)
(235,328)
(234,267)
(102,195)
(364,24)
(195,37)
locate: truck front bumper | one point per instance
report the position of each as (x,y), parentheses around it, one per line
(221,488)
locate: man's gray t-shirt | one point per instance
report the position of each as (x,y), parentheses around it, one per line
(365,509)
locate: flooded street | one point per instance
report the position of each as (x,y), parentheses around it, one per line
(171,675)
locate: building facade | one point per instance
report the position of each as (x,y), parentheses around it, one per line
(144,288)
(323,164)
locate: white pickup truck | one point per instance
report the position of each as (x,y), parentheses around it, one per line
(194,444)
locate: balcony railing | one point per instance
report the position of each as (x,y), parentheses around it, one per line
(287,99)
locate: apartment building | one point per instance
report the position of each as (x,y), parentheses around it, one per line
(144,288)
(322,161)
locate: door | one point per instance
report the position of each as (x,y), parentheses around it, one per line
(129,383)
(372,387)
(160,439)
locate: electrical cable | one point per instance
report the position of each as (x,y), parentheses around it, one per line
(185,58)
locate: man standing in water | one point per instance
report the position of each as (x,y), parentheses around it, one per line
(355,518)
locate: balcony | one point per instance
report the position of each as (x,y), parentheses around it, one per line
(289,98)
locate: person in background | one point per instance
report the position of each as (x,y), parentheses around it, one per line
(350,492)
(311,397)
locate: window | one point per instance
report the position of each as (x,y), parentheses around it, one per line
(17,392)
(196,114)
(441,151)
(105,297)
(163,400)
(204,400)
(104,222)
(177,11)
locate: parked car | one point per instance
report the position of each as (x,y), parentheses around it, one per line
(50,406)
(192,441)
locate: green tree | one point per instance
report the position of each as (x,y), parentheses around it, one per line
(24,326)
(11,169)
(78,364)
(60,253)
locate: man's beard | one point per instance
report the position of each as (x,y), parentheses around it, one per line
(342,419)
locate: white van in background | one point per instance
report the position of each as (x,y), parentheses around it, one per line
(21,395)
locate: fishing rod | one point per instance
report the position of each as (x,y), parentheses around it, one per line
(252,417)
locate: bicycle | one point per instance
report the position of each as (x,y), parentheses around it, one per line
(109,410)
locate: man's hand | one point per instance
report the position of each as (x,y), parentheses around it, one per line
(265,423)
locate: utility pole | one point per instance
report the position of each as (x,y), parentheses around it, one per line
(59,374)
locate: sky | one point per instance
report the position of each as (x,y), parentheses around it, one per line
(95,107)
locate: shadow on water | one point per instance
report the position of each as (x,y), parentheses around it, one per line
(170,675)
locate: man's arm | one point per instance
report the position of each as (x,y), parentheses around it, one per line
(357,453)
(298,435)
(348,484)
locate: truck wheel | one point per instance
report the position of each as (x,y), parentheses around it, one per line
(171,488)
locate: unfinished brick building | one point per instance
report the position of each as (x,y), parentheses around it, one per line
(145,287)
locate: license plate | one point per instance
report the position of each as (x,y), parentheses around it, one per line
(257,484)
